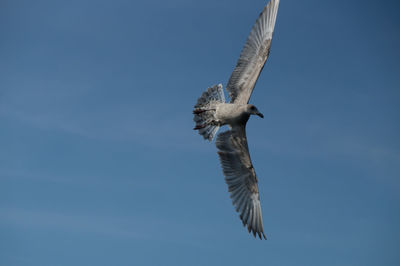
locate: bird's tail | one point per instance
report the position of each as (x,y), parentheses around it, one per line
(204,111)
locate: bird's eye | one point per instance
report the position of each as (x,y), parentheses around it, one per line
(253,108)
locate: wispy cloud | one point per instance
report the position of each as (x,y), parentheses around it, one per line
(143,227)
(135,122)
(69,222)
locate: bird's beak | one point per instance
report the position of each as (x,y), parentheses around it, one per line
(260,115)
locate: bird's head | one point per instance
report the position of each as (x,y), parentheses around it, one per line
(252,110)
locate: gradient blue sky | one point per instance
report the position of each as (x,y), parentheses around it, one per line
(99,164)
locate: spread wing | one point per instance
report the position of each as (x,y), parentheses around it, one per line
(253,56)
(241,178)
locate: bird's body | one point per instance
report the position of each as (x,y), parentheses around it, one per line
(231,114)
(211,112)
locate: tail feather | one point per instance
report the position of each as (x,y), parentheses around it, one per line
(204,111)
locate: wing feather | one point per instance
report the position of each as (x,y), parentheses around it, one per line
(241,178)
(253,56)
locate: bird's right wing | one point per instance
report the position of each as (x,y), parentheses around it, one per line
(241,178)
(253,56)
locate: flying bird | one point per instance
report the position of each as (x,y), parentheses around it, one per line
(211,112)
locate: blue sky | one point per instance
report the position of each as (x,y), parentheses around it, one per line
(99,164)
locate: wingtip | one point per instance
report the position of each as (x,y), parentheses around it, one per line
(260,235)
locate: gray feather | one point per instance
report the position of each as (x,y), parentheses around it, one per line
(253,56)
(240,177)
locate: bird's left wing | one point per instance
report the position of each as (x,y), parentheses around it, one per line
(253,56)
(241,178)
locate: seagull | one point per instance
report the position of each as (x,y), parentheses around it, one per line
(212,111)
